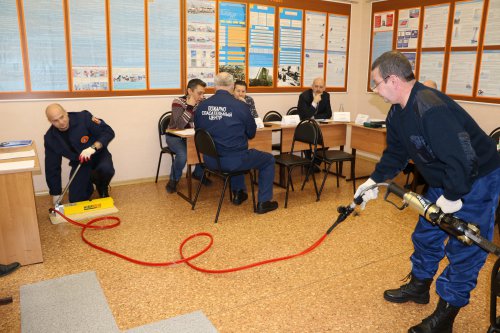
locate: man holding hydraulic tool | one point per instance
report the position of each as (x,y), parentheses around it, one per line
(82,139)
(462,167)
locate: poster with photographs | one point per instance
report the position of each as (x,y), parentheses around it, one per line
(435,25)
(201,40)
(88,45)
(466,23)
(492,37)
(261,46)
(461,73)
(315,43)
(383,21)
(412,57)
(290,42)
(408,26)
(336,58)
(232,39)
(128,46)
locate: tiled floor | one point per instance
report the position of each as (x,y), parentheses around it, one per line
(336,288)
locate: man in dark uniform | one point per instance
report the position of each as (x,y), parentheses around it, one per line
(315,102)
(462,167)
(231,124)
(81,138)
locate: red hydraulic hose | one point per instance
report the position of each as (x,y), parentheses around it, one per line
(90,225)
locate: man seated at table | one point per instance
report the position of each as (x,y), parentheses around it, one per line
(315,102)
(231,124)
(183,109)
(82,139)
(240,92)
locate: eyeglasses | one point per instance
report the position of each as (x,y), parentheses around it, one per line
(375,85)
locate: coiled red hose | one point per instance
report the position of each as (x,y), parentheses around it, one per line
(186,260)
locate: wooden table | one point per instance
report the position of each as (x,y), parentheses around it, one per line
(262,141)
(19,235)
(334,135)
(370,140)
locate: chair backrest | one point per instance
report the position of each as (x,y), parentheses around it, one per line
(321,144)
(292,110)
(495,134)
(205,145)
(272,116)
(163,125)
(306,132)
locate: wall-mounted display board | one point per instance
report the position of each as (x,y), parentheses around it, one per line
(96,48)
(455,43)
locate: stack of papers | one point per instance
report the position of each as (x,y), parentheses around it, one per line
(19,154)
(16,143)
(17,165)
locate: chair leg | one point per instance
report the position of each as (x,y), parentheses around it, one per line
(353,175)
(318,195)
(252,180)
(158,168)
(307,177)
(337,172)
(226,180)
(197,191)
(289,170)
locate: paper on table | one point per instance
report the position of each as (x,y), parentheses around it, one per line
(274,122)
(187,131)
(17,165)
(19,154)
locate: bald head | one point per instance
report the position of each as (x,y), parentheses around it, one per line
(318,85)
(224,81)
(57,116)
(431,84)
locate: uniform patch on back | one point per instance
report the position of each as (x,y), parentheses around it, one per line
(96,120)
(84,139)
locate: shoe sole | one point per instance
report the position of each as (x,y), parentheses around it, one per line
(265,210)
(408,299)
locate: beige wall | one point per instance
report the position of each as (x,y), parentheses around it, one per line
(134,119)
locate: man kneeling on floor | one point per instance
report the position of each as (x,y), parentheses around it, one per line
(231,124)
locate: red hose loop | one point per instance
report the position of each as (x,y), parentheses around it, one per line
(186,260)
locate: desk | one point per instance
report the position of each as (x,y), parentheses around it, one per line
(370,140)
(19,235)
(334,135)
(262,141)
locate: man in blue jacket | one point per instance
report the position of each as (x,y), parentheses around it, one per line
(462,167)
(82,139)
(230,123)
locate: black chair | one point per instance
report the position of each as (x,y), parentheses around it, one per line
(273,116)
(328,157)
(205,146)
(495,134)
(417,179)
(162,127)
(291,111)
(307,133)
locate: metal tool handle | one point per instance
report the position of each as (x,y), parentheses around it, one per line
(58,202)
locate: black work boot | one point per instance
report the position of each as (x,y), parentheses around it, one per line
(440,321)
(103,191)
(416,290)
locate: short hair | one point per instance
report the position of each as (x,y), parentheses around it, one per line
(394,63)
(193,83)
(223,79)
(240,83)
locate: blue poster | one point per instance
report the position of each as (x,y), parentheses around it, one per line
(232,39)
(164,44)
(128,44)
(46,45)
(11,60)
(382,42)
(261,52)
(88,45)
(290,55)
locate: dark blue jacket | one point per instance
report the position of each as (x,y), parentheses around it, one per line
(228,120)
(306,110)
(449,148)
(84,130)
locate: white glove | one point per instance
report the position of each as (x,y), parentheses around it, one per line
(367,195)
(449,206)
(85,154)
(54,199)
